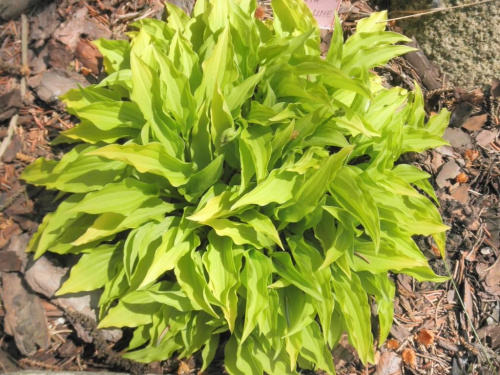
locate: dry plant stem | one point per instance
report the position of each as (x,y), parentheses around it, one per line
(419,13)
(24,61)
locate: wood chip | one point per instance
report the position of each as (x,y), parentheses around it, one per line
(25,316)
(475,123)
(389,363)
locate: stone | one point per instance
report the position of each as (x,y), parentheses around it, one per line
(11,9)
(46,278)
(463,42)
(56,83)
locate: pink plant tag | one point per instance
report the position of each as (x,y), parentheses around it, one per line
(324,11)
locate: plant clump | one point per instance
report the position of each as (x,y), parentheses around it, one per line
(229,185)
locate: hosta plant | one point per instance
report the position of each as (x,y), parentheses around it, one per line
(230,186)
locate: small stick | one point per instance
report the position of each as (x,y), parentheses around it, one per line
(24,61)
(437,10)
(24,52)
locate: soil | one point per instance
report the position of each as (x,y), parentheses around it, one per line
(448,328)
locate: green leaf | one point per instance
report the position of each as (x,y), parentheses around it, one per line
(110,223)
(256,277)
(315,349)
(89,133)
(151,158)
(380,286)
(241,233)
(353,303)
(278,188)
(76,172)
(109,115)
(284,267)
(116,54)
(122,198)
(224,281)
(348,189)
(92,271)
(219,69)
(314,188)
(240,93)
(208,353)
(193,282)
(336,49)
(201,181)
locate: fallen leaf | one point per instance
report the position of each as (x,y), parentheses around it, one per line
(462,178)
(470,156)
(389,363)
(436,251)
(425,337)
(490,334)
(409,357)
(183,369)
(89,55)
(491,277)
(392,344)
(475,123)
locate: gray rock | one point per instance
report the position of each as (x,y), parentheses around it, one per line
(46,278)
(56,83)
(10,9)
(464,42)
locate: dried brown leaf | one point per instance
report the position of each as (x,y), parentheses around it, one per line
(462,178)
(392,344)
(425,337)
(409,357)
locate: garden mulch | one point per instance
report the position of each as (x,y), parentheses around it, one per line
(449,328)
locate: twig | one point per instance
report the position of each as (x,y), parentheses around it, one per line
(436,10)
(10,132)
(24,51)
(24,60)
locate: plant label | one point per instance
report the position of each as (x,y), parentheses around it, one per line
(324,11)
